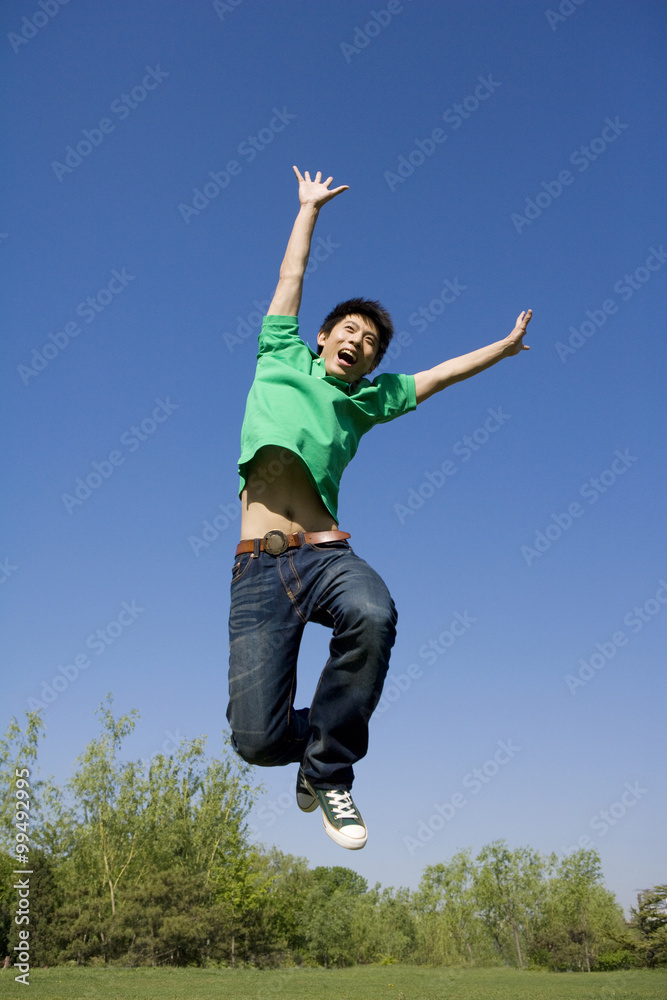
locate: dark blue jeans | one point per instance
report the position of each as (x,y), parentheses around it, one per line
(272,598)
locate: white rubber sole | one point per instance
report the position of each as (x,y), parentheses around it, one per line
(342,839)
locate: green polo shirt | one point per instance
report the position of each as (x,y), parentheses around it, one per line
(294,404)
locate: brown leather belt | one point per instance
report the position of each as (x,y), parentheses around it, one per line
(277,542)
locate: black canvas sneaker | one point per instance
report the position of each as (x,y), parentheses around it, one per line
(342,820)
(306,799)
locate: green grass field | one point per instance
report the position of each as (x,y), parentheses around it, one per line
(393,982)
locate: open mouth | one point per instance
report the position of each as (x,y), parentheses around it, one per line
(346,358)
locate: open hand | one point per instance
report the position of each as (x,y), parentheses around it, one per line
(515,339)
(316,192)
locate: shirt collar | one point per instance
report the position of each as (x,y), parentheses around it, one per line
(319,369)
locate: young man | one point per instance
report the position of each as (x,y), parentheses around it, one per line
(304,417)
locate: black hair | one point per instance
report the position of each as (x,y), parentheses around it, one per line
(363,307)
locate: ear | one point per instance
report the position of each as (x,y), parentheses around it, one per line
(322,338)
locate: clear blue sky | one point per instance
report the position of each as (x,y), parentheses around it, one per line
(498,157)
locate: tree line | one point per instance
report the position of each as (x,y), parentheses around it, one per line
(151,863)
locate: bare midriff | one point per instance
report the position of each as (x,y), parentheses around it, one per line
(279,496)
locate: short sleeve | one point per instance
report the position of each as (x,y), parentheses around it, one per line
(280,333)
(391,396)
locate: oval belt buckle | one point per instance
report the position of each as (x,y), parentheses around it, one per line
(275,542)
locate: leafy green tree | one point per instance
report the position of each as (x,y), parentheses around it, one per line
(383,926)
(18,753)
(194,808)
(329,928)
(21,821)
(452,929)
(240,885)
(508,890)
(128,826)
(330,907)
(281,928)
(580,917)
(167,918)
(340,879)
(44,901)
(574,890)
(648,926)
(109,795)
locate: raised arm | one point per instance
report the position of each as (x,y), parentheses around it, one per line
(455,370)
(312,195)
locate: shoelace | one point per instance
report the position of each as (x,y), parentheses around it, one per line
(342,805)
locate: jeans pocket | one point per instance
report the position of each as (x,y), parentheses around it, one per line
(240,566)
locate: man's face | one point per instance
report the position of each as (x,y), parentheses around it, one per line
(349,350)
